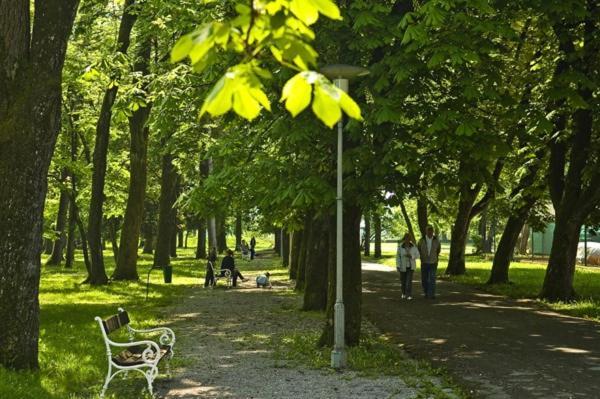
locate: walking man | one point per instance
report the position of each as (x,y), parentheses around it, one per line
(429,249)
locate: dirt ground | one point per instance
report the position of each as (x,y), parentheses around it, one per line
(224,350)
(498,347)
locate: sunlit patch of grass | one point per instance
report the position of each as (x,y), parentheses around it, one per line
(71,352)
(526,282)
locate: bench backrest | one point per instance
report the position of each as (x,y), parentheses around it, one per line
(115,322)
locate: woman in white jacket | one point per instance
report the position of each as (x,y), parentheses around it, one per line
(406,263)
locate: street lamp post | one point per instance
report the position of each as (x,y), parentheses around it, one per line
(341,74)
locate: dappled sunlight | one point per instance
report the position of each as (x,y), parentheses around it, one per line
(568,350)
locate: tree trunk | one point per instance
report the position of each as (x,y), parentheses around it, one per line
(303,254)
(285,256)
(558,282)
(100,154)
(315,275)
(524,240)
(173,251)
(459,234)
(277,240)
(31,63)
(505,250)
(138,165)
(409,225)
(422,214)
(166,216)
(201,244)
(61,222)
(71,230)
(148,234)
(377,227)
(295,253)
(238,232)
(180,238)
(221,235)
(367,234)
(352,281)
(113,233)
(48,244)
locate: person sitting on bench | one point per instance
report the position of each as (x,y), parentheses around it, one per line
(229,263)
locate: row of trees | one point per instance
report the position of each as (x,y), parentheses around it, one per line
(470,104)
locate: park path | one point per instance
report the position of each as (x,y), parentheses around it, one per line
(226,342)
(497,347)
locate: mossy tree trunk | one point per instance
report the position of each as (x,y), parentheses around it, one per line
(31,62)
(138,165)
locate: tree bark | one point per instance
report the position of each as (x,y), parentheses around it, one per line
(352,281)
(506,247)
(71,230)
(303,254)
(148,234)
(138,165)
(31,63)
(221,234)
(201,244)
(295,253)
(166,226)
(113,233)
(95,217)
(409,225)
(61,223)
(173,251)
(422,214)
(316,272)
(285,256)
(367,249)
(576,193)
(238,232)
(377,227)
(277,242)
(460,231)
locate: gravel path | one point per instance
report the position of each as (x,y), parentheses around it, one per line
(223,350)
(501,348)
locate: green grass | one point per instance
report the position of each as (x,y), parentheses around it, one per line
(375,356)
(72,354)
(526,281)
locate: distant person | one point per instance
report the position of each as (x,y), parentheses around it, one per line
(244,248)
(228,263)
(263,280)
(252,247)
(429,248)
(209,280)
(406,257)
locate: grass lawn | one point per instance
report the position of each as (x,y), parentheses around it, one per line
(526,281)
(72,353)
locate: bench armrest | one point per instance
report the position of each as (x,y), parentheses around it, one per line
(167,337)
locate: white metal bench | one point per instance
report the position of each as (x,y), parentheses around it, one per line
(142,356)
(222,274)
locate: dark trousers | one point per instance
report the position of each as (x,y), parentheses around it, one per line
(406,281)
(252,251)
(209,280)
(428,271)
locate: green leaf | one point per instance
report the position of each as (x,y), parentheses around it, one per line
(296,94)
(327,8)
(182,48)
(325,106)
(219,99)
(244,104)
(349,106)
(305,11)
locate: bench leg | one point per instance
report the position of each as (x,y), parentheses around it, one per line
(150,376)
(106,382)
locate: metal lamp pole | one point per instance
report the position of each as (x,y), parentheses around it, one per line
(341,75)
